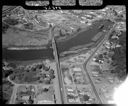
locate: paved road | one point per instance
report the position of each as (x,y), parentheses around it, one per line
(88,62)
(85,67)
(13,97)
(59,73)
(8,78)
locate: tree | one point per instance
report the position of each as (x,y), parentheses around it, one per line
(6,73)
(46,68)
(11,21)
(119,58)
(47,81)
(13,65)
(5,27)
(29,26)
(86,97)
(51,71)
(7,89)
(45,89)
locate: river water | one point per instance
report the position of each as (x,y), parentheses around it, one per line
(81,38)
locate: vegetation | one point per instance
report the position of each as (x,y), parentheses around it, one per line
(11,21)
(7,69)
(119,57)
(28,26)
(5,27)
(6,73)
(7,89)
(36,74)
(85,97)
(22,74)
(116,54)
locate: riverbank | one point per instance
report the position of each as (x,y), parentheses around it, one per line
(80,39)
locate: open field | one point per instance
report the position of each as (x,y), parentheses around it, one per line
(23,38)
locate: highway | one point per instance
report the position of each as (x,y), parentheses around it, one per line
(59,73)
(88,61)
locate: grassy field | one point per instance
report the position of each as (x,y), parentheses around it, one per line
(24,38)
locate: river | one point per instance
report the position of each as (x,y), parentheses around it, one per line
(81,38)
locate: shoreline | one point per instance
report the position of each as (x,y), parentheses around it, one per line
(25,48)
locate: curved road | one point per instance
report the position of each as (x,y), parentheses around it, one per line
(61,90)
(90,58)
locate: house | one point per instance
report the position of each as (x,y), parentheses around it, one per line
(77,69)
(67,81)
(72,93)
(78,73)
(94,63)
(94,59)
(77,100)
(71,100)
(113,37)
(25,97)
(70,89)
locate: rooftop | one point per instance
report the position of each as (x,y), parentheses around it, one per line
(77,69)
(45,97)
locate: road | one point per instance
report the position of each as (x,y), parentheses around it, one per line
(85,67)
(59,73)
(90,58)
(13,97)
(61,90)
